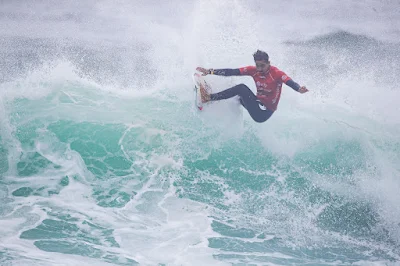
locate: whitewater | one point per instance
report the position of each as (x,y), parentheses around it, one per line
(104,159)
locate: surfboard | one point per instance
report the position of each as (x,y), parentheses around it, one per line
(199,81)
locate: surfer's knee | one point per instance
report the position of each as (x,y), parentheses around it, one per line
(241,89)
(259,120)
(242,86)
(261,117)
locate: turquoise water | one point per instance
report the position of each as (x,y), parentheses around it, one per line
(104,160)
(122,178)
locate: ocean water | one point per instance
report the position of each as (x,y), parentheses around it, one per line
(105,161)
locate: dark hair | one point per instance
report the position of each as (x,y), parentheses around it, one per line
(260,55)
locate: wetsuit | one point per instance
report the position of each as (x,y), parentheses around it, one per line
(269,87)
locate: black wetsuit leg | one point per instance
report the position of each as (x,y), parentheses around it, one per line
(247,99)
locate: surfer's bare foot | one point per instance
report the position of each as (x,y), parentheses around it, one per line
(205,97)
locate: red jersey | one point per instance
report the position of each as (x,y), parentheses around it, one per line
(269,86)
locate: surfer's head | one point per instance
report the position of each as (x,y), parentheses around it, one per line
(262,61)
(261,56)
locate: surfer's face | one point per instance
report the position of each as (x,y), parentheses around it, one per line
(262,66)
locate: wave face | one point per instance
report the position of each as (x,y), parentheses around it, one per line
(104,159)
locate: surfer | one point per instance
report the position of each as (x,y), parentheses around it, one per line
(268,81)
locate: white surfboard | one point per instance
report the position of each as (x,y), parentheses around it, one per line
(198,82)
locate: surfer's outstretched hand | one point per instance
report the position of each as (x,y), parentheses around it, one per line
(303,89)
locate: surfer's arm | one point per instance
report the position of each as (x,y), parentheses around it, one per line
(225,72)
(228,71)
(295,86)
(278,74)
